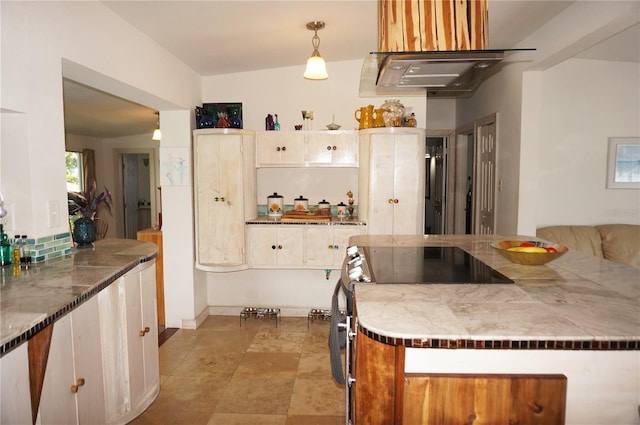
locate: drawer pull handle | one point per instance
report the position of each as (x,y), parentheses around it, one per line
(284,148)
(335,148)
(144,331)
(329,148)
(76,387)
(273,247)
(279,246)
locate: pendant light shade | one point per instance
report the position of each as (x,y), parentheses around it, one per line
(156,132)
(316,67)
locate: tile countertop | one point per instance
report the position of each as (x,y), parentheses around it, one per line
(575,302)
(48,290)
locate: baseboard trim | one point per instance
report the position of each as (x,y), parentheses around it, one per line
(194,323)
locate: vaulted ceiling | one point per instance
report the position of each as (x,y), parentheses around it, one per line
(219,37)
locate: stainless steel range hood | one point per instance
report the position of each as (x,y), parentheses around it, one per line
(444,74)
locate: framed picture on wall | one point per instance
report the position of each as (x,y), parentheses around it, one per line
(623,163)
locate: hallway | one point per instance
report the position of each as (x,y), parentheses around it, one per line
(226,374)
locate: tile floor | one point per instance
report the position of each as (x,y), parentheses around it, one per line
(225,374)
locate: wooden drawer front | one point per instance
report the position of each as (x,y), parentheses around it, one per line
(484,399)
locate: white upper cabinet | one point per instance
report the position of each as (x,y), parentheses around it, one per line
(332,148)
(306,149)
(224,197)
(280,149)
(391,180)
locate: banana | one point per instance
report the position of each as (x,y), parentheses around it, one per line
(527,249)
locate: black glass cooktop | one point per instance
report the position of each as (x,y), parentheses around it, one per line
(428,265)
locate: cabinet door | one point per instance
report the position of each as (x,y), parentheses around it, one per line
(339,149)
(87,356)
(57,402)
(500,399)
(408,185)
(73,390)
(290,247)
(15,396)
(149,321)
(114,350)
(219,199)
(341,235)
(275,246)
(134,337)
(396,184)
(277,149)
(381,185)
(262,246)
(318,246)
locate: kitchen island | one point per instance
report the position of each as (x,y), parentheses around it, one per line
(577,317)
(79,336)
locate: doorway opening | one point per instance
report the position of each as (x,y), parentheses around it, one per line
(135,169)
(475,177)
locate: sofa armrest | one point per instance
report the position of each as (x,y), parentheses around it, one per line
(621,243)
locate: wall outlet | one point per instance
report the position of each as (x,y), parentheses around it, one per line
(53,213)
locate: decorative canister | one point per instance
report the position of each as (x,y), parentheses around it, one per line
(324,207)
(394,110)
(275,205)
(301,204)
(341,209)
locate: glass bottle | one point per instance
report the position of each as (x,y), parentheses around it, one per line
(26,250)
(23,250)
(276,126)
(16,250)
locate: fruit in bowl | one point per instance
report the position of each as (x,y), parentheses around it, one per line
(530,253)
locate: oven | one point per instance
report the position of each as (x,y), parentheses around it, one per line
(385,265)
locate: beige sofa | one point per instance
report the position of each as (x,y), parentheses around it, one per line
(614,242)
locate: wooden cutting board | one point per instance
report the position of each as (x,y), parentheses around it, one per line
(304,216)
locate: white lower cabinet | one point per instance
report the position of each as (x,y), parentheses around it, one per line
(325,246)
(130,343)
(15,396)
(274,246)
(103,364)
(304,246)
(73,390)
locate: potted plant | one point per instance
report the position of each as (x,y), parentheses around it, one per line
(84,205)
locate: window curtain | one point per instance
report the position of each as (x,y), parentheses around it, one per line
(88,168)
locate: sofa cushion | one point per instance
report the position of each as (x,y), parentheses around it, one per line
(621,243)
(581,238)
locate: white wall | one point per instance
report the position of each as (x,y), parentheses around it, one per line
(584,102)
(85,41)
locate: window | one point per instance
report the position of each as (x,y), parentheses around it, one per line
(74,171)
(623,163)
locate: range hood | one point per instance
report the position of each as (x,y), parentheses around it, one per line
(443,74)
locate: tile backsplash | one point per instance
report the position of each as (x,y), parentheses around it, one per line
(49,247)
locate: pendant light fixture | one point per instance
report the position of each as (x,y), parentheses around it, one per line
(316,67)
(156,132)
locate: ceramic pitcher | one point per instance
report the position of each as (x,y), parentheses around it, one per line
(379,118)
(365,116)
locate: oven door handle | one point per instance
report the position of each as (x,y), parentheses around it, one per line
(337,336)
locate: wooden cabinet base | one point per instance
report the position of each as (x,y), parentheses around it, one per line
(484,399)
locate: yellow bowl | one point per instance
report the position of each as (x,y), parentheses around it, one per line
(529,258)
